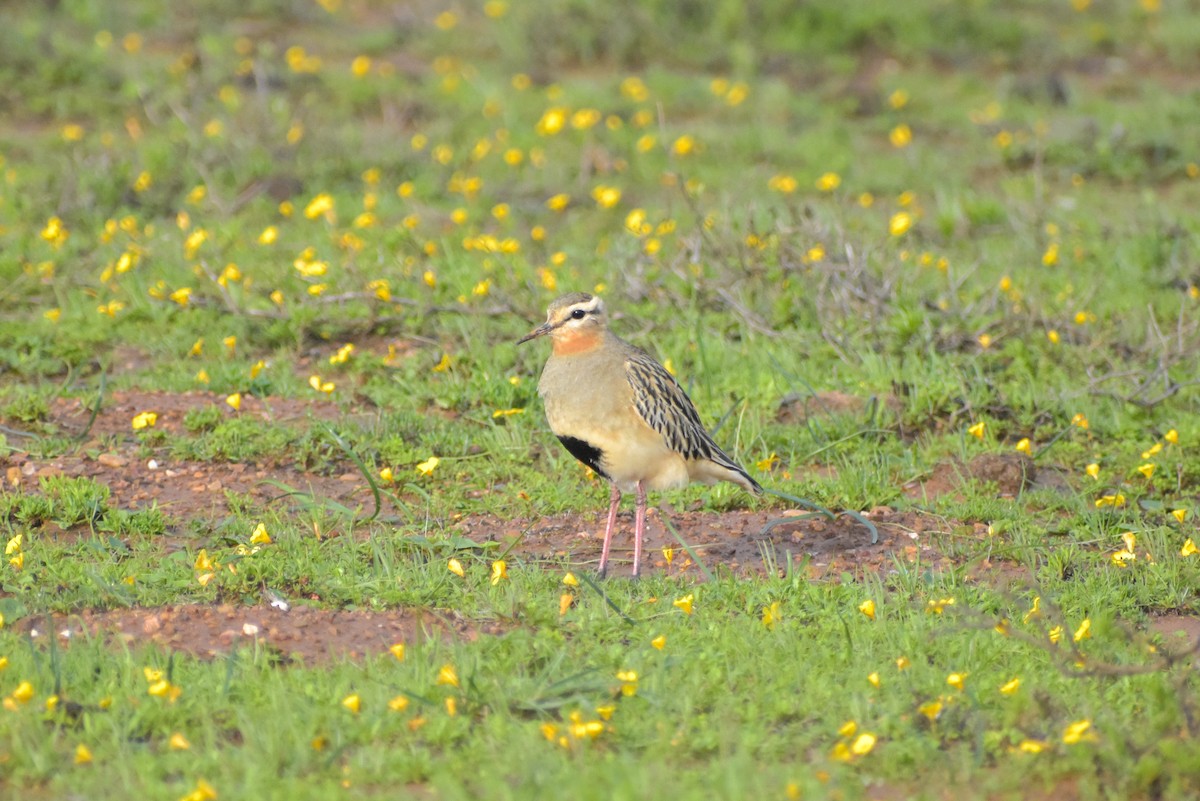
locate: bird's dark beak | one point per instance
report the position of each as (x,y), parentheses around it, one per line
(540,331)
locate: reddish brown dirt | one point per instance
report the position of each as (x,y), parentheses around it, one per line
(1180,634)
(182,489)
(745,543)
(118,410)
(739,543)
(1011,473)
(300,634)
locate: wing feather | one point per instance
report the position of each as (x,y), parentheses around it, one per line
(667,409)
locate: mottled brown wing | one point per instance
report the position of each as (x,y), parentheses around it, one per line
(666,408)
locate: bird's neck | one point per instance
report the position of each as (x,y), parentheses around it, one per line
(576,343)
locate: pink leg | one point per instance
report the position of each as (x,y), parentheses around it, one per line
(639,527)
(608,530)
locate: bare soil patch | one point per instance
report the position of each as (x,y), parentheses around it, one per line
(1011,473)
(301,634)
(1180,634)
(118,409)
(745,543)
(113,455)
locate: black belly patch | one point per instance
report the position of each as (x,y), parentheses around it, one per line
(584,452)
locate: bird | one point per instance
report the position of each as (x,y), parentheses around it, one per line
(617,410)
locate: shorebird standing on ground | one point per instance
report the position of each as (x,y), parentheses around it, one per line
(622,414)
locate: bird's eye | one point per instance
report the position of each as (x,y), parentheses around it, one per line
(578,314)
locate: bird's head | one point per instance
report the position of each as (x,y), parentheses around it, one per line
(574,322)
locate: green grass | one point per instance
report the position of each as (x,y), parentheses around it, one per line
(1046,288)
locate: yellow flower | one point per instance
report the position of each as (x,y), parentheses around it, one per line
(499,571)
(1179,514)
(629,680)
(443,365)
(847,729)
(1084,631)
(829,182)
(1055,634)
(235,400)
(863,744)
(1053,336)
(606,196)
(386,475)
(83,754)
(684,603)
(360,66)
(397,650)
(766,465)
(427,467)
(570,580)
(1031,746)
(684,145)
(182,296)
(178,742)
(931,709)
(900,136)
(1122,558)
(72,132)
(451,706)
(771,615)
(399,703)
(1093,470)
(785,184)
(956,680)
(446,20)
(455,567)
(1172,437)
(1050,257)
(898,99)
(867,607)
(874,680)
(1078,732)
(659,642)
(55,232)
(321,205)
(447,675)
(52,315)
(565,602)
(144,420)
(1147,469)
(1110,500)
(938,605)
(552,121)
(316,383)
(1189,548)
(903,663)
(1025,447)
(978,430)
(23,693)
(900,223)
(260,536)
(1011,686)
(352,702)
(558,202)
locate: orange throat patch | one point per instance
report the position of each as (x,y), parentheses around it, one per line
(570,344)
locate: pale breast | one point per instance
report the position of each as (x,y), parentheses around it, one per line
(587,397)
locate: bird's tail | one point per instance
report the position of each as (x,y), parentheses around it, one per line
(722,468)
